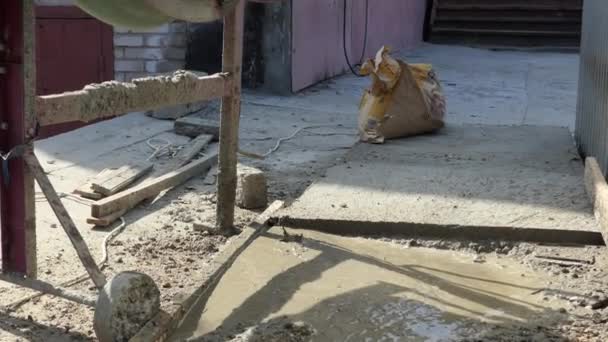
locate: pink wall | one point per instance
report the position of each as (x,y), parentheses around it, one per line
(317,44)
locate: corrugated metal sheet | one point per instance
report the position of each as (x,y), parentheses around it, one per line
(592,107)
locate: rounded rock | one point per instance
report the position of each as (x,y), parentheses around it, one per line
(125,304)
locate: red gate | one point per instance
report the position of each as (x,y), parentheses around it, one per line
(73,49)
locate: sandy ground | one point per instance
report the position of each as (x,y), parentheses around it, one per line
(483,87)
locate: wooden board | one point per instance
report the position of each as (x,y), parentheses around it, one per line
(120,178)
(597,190)
(189,151)
(128,199)
(86,190)
(194,126)
(106,220)
(230,112)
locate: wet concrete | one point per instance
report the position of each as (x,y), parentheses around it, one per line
(354,289)
(469,182)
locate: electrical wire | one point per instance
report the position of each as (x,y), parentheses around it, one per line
(277,145)
(158,148)
(351,66)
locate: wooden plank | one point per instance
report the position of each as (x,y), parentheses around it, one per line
(232,57)
(86,190)
(66,221)
(106,220)
(108,99)
(193,127)
(120,178)
(597,190)
(129,198)
(29,124)
(189,151)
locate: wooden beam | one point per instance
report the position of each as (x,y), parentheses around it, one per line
(66,221)
(131,197)
(29,124)
(106,220)
(230,115)
(120,178)
(86,190)
(193,127)
(108,99)
(189,151)
(597,190)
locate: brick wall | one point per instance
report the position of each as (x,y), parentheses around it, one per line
(138,54)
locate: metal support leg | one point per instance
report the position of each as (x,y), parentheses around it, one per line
(17,118)
(230,114)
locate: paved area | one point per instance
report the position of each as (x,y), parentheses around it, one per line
(474,182)
(352,289)
(481,87)
(505,167)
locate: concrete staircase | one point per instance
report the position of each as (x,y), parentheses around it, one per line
(528,23)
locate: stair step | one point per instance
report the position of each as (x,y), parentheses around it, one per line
(510,16)
(511,4)
(489,40)
(509,26)
(505,32)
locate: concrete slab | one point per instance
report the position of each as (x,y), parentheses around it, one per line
(504,87)
(355,289)
(481,87)
(511,183)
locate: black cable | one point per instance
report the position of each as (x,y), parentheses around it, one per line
(350,66)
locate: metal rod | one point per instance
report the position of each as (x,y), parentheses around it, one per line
(66,221)
(230,114)
(51,289)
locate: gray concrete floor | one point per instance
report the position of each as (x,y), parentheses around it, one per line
(467,175)
(353,289)
(506,159)
(474,182)
(482,87)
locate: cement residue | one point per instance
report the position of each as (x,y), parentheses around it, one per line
(357,289)
(281,330)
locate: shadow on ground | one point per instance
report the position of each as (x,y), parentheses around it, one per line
(29,330)
(383,310)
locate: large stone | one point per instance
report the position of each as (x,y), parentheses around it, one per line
(251,192)
(125,304)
